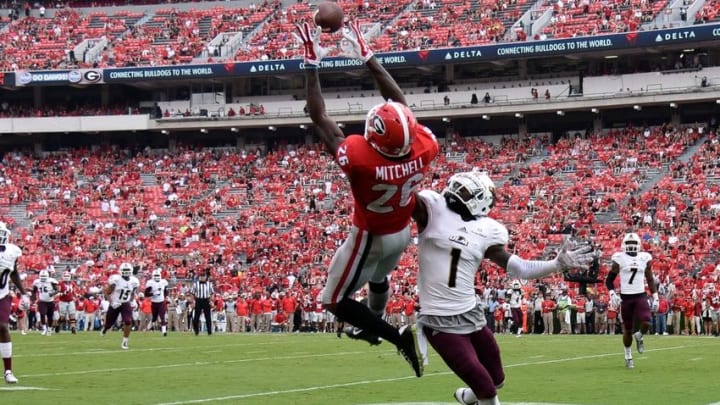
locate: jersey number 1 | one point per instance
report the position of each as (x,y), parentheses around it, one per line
(454,259)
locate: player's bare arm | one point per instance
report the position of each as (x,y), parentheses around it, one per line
(650,278)
(498,255)
(610,280)
(388,87)
(109,289)
(359,49)
(326,128)
(15,277)
(420,214)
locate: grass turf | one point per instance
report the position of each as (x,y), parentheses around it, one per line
(320,369)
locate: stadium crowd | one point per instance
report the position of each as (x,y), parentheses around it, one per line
(263,223)
(172,36)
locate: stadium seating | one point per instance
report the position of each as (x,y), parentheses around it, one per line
(245,212)
(170,36)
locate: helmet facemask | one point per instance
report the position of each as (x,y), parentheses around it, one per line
(470,194)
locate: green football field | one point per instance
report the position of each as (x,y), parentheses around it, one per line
(317,369)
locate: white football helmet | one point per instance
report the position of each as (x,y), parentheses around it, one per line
(473,189)
(67,276)
(156,275)
(516,285)
(390,128)
(44,275)
(631,243)
(126,270)
(4,233)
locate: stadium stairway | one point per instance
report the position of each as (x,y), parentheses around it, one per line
(18,212)
(652,177)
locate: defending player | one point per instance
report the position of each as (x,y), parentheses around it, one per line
(157,289)
(67,310)
(455,235)
(120,291)
(45,288)
(383,168)
(631,264)
(9,253)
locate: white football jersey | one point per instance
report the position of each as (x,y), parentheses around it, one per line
(632,271)
(450,251)
(8,258)
(516,299)
(125,290)
(158,289)
(46,289)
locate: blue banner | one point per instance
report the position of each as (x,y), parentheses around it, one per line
(511,50)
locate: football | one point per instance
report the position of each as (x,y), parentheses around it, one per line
(329,16)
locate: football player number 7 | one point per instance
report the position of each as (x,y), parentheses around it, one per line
(390,190)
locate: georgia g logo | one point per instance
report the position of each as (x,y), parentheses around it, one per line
(378,125)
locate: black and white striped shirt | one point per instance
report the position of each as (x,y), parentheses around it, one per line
(202,290)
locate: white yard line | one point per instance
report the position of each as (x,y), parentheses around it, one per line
(192,364)
(366,382)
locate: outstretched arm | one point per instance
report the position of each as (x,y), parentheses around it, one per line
(358,48)
(326,128)
(530,269)
(15,277)
(420,214)
(388,87)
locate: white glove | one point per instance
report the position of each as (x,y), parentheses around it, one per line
(355,46)
(25,301)
(655,303)
(310,40)
(614,298)
(571,258)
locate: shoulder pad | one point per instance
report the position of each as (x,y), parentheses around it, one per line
(13,250)
(495,232)
(646,256)
(430,196)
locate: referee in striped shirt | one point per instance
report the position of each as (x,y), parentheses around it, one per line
(202,290)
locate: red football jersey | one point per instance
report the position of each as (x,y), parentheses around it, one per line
(67,291)
(382,187)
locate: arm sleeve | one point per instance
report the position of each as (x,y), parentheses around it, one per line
(610,281)
(529,269)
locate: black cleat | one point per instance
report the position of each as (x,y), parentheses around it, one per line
(408,348)
(359,334)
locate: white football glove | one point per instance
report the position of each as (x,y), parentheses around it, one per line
(310,40)
(614,298)
(354,45)
(655,303)
(569,257)
(25,301)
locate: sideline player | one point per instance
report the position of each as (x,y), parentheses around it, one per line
(9,253)
(66,295)
(634,306)
(383,167)
(455,235)
(157,289)
(44,290)
(120,292)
